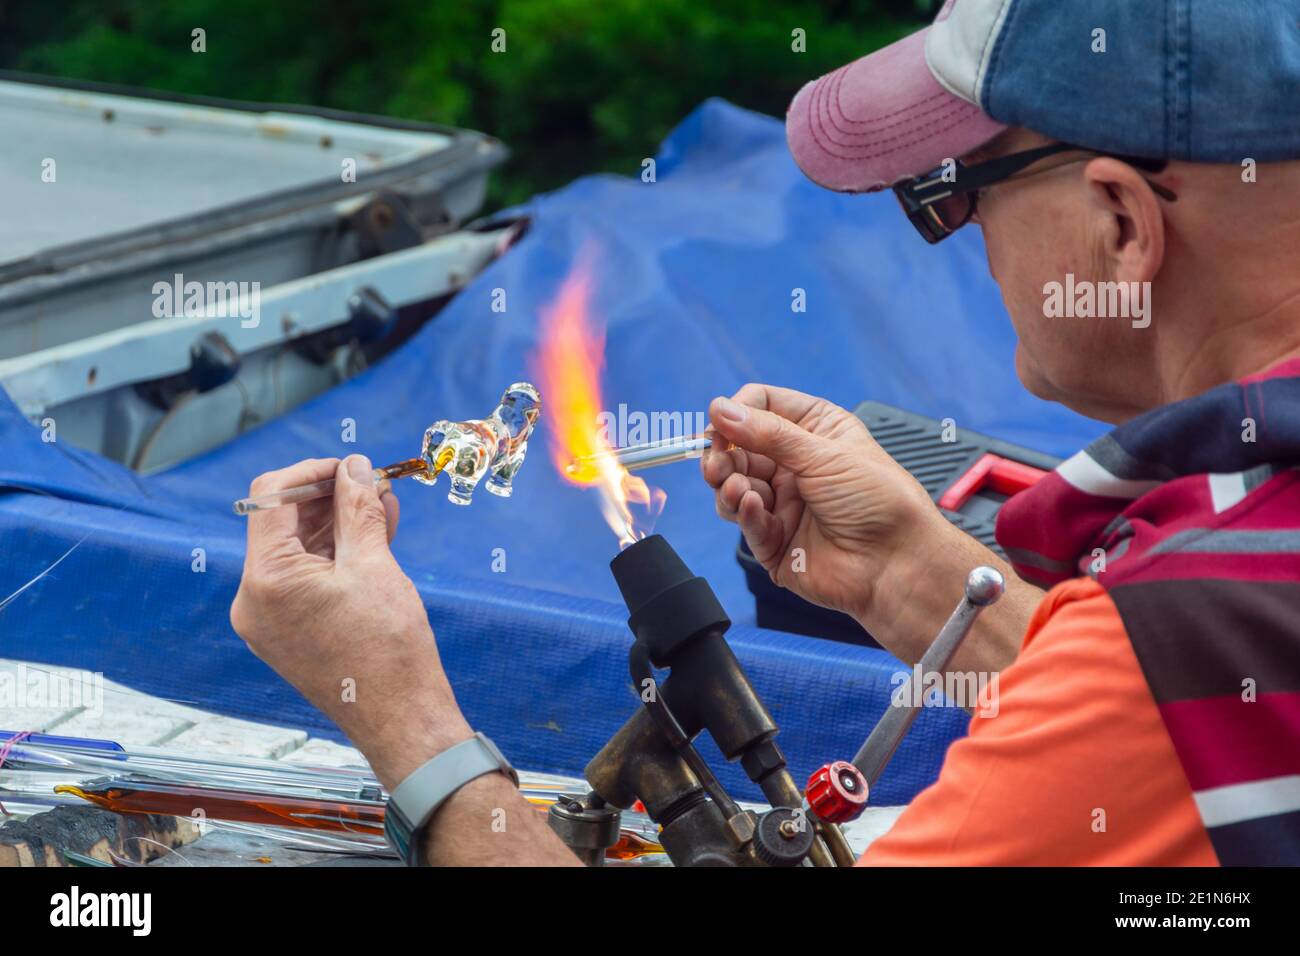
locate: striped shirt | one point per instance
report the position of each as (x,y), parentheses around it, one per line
(1152,716)
(1188,517)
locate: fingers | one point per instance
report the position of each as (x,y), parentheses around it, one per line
(762,529)
(392,509)
(756,465)
(718,464)
(312,523)
(275,527)
(756,429)
(361,523)
(316,521)
(786,402)
(732,472)
(736,487)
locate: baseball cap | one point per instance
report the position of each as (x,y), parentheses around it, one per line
(1210,81)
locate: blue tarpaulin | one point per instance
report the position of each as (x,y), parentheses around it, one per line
(699,276)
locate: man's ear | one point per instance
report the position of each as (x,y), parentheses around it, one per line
(1133,235)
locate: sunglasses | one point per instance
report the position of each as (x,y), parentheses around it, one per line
(944,199)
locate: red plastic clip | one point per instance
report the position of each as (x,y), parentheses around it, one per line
(994,472)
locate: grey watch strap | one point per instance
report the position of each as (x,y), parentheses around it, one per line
(417,798)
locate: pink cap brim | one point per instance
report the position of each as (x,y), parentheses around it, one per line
(880,119)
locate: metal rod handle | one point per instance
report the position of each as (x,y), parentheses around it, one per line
(984,586)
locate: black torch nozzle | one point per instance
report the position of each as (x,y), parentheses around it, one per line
(646,568)
(679,622)
(680,625)
(668,605)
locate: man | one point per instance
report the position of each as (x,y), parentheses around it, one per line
(1142,155)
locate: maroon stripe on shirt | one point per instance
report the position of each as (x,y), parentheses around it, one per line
(1246,568)
(1060,517)
(1225,740)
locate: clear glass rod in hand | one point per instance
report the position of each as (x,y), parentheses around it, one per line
(649,455)
(323,489)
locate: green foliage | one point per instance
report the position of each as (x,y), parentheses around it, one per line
(583,85)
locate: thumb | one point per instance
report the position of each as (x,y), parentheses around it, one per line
(764,432)
(360,523)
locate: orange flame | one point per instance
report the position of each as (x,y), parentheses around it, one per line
(569,363)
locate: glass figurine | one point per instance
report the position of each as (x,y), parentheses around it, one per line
(491,447)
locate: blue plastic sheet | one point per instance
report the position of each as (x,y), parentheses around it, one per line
(696,276)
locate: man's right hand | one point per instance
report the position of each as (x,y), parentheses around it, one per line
(833,518)
(823,507)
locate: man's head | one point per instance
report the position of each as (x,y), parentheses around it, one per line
(1150,263)
(1185,294)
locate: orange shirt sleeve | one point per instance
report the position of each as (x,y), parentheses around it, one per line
(1074,769)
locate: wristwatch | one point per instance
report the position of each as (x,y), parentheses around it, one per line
(416,799)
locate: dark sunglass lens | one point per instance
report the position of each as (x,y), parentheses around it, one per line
(939,218)
(953,211)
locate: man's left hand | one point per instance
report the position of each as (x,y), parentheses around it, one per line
(324,603)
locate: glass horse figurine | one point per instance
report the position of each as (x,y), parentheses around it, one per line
(491,448)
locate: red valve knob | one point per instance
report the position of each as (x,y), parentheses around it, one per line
(837,792)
